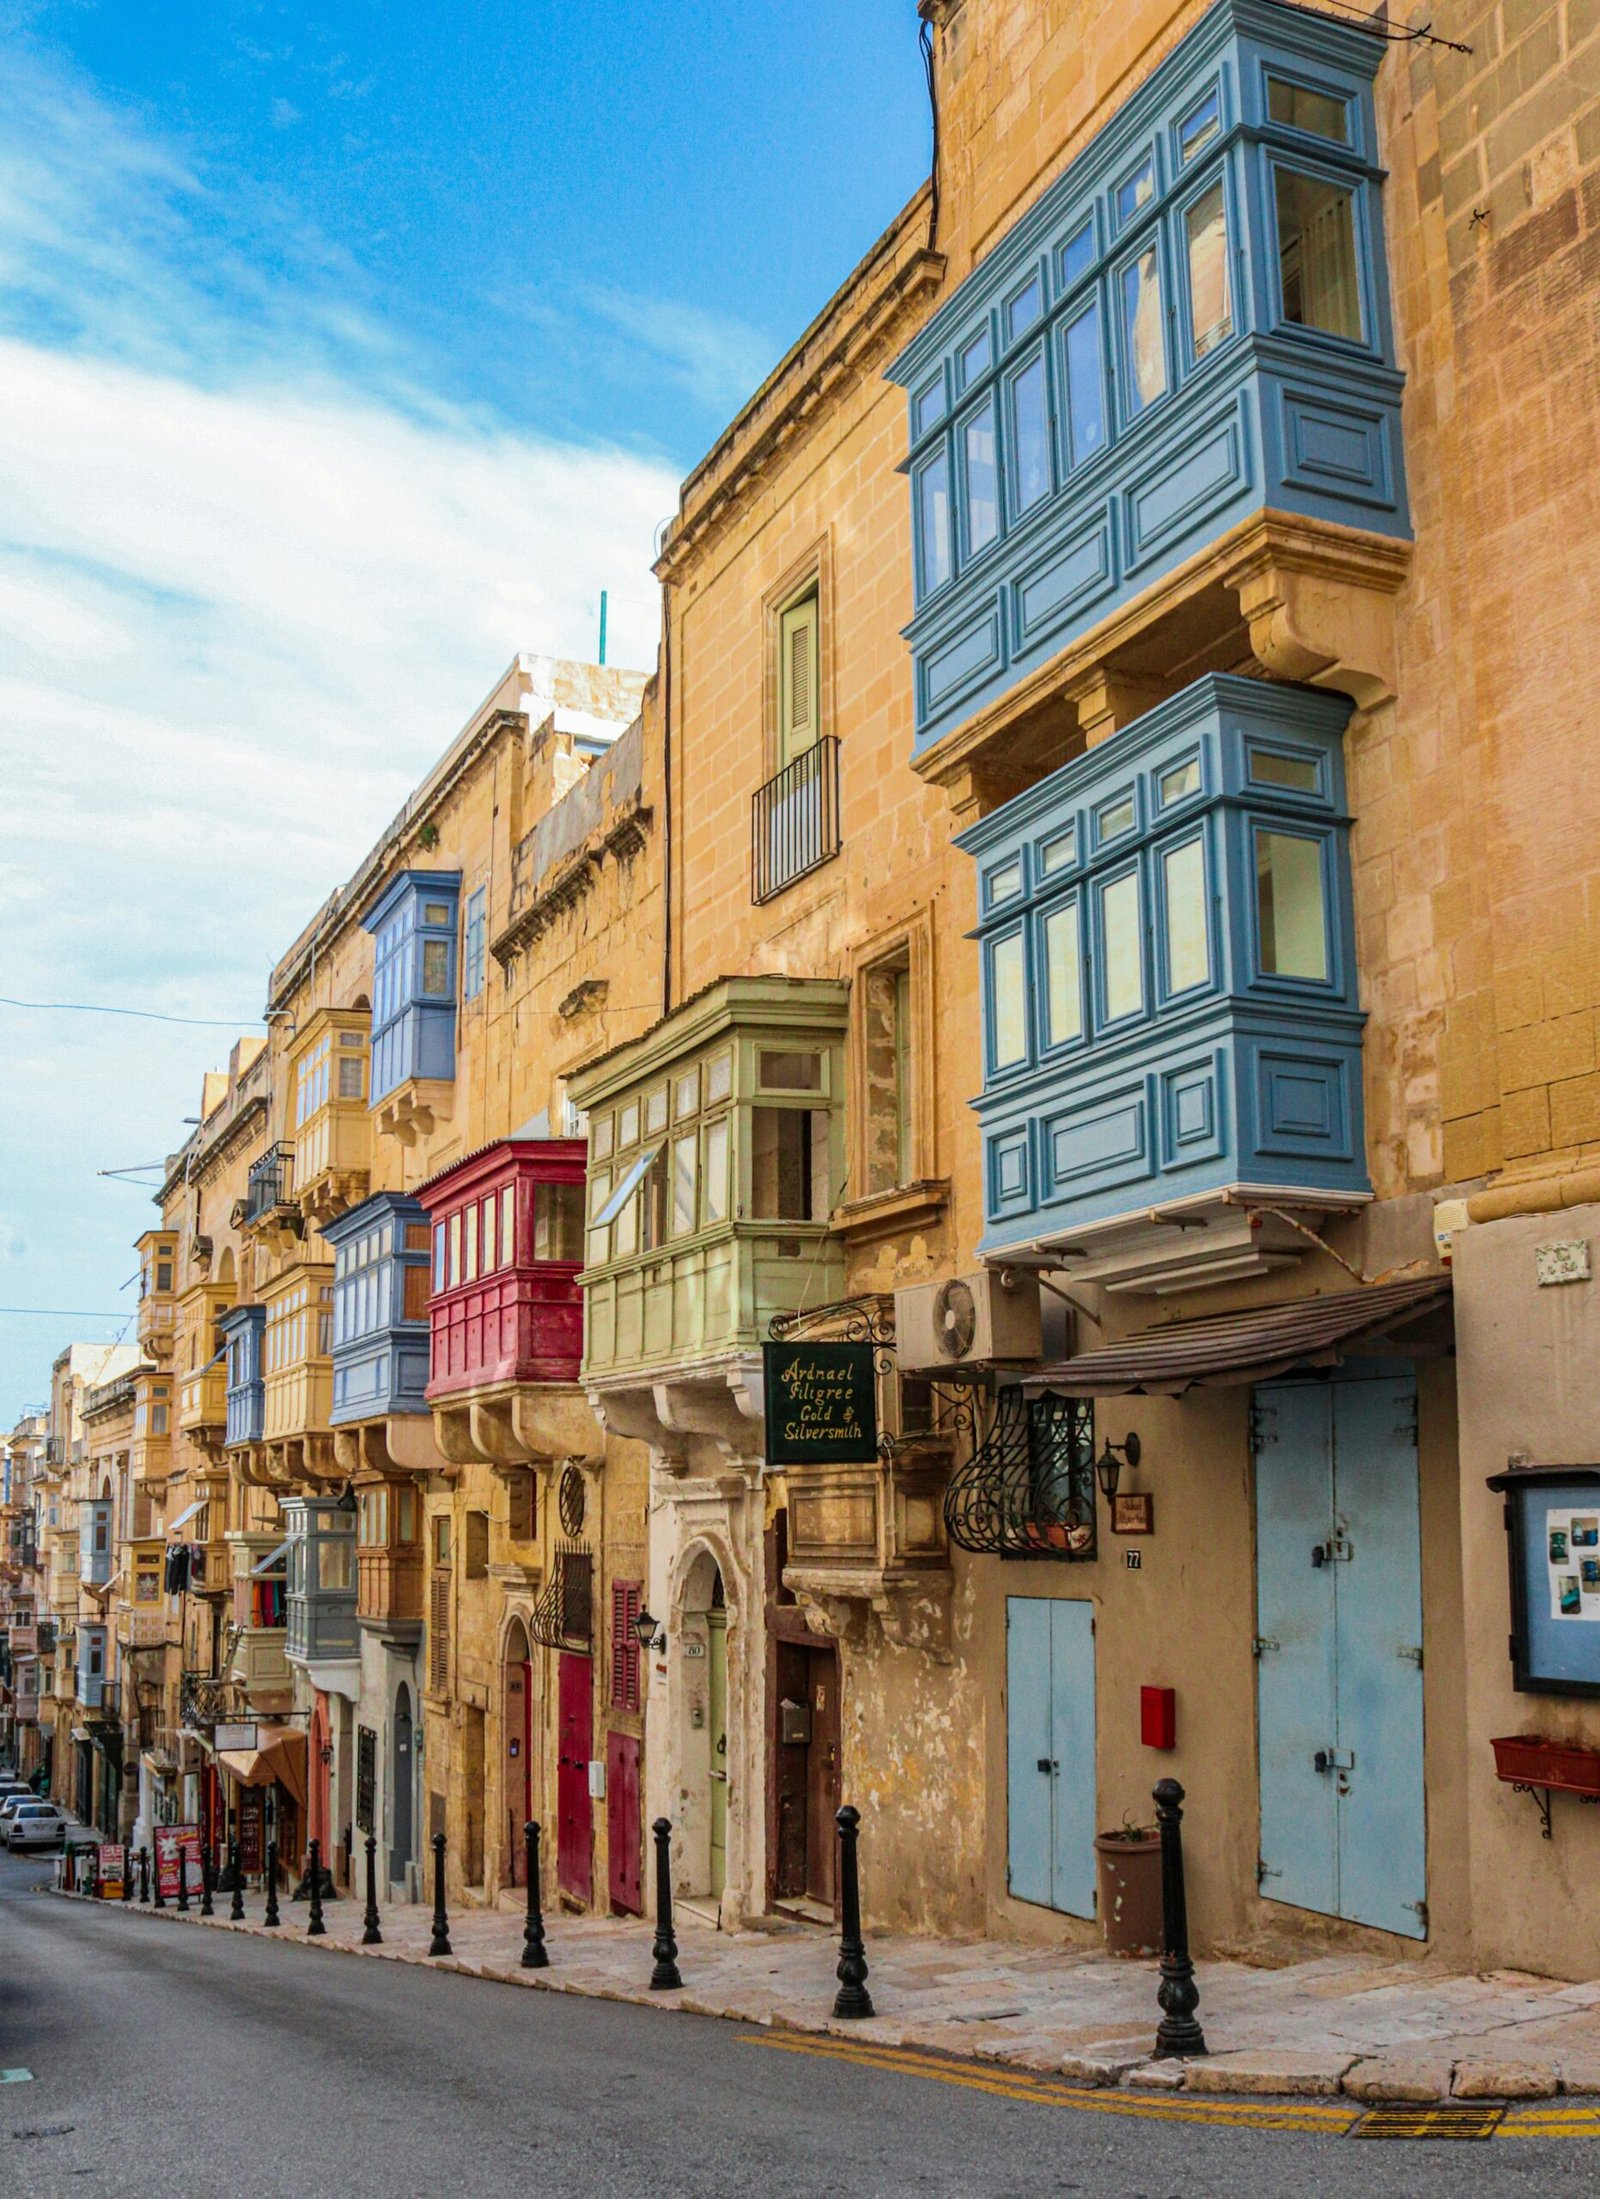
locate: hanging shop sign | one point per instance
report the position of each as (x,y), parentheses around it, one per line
(1553,1535)
(821,1404)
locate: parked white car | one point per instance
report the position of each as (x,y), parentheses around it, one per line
(34,1825)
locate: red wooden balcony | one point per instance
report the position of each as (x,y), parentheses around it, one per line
(507,1246)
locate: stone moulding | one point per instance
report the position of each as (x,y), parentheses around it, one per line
(576,878)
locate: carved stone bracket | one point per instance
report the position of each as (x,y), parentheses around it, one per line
(1319,603)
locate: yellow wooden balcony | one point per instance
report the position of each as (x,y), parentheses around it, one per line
(150,1446)
(297,1364)
(333,1128)
(200,1367)
(158,1303)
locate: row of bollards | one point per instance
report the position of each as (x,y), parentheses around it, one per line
(1178,2034)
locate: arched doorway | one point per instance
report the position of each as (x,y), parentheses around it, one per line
(400,1788)
(516,1741)
(703,1729)
(319,1806)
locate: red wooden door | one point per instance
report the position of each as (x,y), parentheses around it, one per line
(574,1810)
(624,1833)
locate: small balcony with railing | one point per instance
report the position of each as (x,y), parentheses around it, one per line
(270,1209)
(328,1071)
(380,1309)
(321,1610)
(794,822)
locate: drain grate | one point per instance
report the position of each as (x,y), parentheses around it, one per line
(1431,2119)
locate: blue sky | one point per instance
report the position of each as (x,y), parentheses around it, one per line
(343,353)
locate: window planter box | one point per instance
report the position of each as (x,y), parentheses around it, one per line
(1528,1760)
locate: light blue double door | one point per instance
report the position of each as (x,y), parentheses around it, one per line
(1339,1648)
(1050,1739)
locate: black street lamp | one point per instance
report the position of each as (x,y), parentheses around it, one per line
(1108,1466)
(649,1633)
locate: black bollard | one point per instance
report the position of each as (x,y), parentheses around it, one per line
(1179,2033)
(144,1874)
(852,1998)
(206,1907)
(236,1906)
(160,1897)
(315,1928)
(533,1949)
(371,1936)
(440,1942)
(272,1917)
(664,1977)
(127,1872)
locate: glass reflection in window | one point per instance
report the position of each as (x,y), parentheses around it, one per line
(1123,945)
(1184,893)
(1210,303)
(1063,975)
(1030,436)
(1297,107)
(933,523)
(1008,1003)
(1291,914)
(982,480)
(1142,330)
(1086,399)
(1318,274)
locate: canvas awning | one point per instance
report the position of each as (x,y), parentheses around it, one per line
(279,1754)
(1252,1345)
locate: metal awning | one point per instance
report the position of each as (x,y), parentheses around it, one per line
(1251,1345)
(270,1560)
(184,1517)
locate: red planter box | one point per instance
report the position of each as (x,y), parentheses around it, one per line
(1528,1760)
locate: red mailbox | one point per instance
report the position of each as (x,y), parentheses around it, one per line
(1158,1717)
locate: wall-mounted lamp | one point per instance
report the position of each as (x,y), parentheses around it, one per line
(1108,1466)
(649,1633)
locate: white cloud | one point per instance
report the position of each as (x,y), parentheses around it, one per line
(253,578)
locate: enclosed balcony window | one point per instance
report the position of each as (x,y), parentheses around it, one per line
(507,1243)
(1196,1019)
(1204,286)
(789,1163)
(381,1253)
(413,927)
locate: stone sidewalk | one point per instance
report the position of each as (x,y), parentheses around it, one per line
(1329,2024)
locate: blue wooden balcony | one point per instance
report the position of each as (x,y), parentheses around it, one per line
(381,1251)
(1172,1031)
(413,927)
(1189,328)
(242,1329)
(321,1605)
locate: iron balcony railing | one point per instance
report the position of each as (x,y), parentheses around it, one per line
(203,1702)
(563,1617)
(795,820)
(1029,1491)
(270,1180)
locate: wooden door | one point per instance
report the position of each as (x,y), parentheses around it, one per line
(791,1754)
(400,1797)
(717,1691)
(517,1778)
(822,1776)
(575,1746)
(624,1833)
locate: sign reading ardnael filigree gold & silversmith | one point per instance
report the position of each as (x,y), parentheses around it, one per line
(821,1403)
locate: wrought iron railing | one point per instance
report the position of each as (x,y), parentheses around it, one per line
(203,1702)
(1029,1490)
(271,1178)
(795,820)
(563,1618)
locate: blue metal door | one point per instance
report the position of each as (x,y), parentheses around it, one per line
(1339,1616)
(1050,1739)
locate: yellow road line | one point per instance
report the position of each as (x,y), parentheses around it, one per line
(1302,2115)
(1551,2122)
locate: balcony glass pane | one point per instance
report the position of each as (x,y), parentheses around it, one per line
(1030,436)
(1063,975)
(982,480)
(1024,309)
(1291,912)
(1209,299)
(508,1223)
(1184,892)
(1199,128)
(438,1256)
(1143,334)
(716,1170)
(1077,255)
(1300,108)
(933,523)
(719,1076)
(687,1098)
(490,1232)
(628,1124)
(789,1163)
(929,405)
(436,968)
(685,1157)
(558,1221)
(1138,191)
(1270,769)
(1086,394)
(791,1072)
(1008,1001)
(1122,933)
(336,1563)
(975,358)
(1318,275)
(655,1111)
(470,1232)
(455,1250)
(600,1136)
(1058,854)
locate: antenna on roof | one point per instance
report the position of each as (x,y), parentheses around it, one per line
(602,626)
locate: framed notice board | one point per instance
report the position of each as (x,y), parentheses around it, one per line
(1552,1520)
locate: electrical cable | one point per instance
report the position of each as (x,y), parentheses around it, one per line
(143,1015)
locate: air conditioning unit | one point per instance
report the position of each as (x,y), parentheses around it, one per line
(969,1321)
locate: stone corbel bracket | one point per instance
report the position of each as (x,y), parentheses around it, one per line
(1319,603)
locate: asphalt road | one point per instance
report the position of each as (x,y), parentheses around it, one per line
(172,2061)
